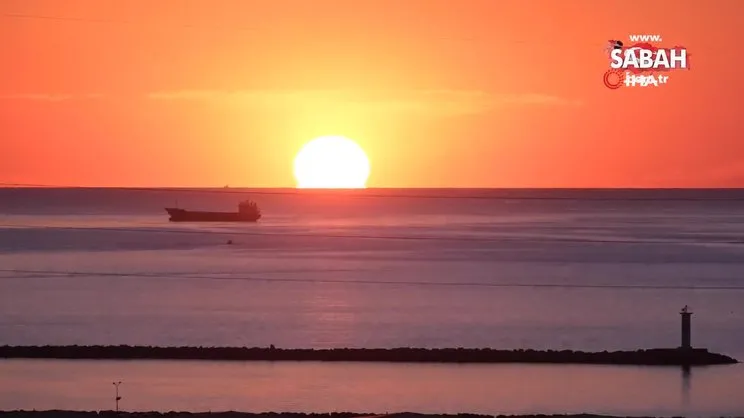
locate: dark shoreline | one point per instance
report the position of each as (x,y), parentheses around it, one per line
(651,357)
(233,414)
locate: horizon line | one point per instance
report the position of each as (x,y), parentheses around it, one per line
(301,189)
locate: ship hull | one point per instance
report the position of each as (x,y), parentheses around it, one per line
(182,215)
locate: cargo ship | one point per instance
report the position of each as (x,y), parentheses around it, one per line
(248,211)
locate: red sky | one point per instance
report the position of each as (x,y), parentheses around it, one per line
(475,93)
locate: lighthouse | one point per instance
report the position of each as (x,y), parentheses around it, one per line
(686,332)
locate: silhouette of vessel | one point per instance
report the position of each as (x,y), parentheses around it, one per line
(248,211)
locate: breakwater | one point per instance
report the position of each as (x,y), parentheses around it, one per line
(650,357)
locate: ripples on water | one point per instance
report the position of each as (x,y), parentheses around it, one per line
(380,388)
(291,281)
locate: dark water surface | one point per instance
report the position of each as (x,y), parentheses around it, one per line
(380,387)
(587,270)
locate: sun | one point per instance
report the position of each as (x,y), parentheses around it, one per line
(331,162)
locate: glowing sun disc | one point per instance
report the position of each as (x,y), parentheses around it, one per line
(331,162)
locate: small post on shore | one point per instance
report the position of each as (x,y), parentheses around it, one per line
(686,328)
(118,398)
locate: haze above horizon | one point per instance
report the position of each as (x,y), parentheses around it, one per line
(197,94)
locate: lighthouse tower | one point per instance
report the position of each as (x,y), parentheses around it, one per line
(686,331)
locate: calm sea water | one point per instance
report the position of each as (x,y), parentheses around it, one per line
(371,388)
(588,270)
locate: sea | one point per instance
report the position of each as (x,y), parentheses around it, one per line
(508,268)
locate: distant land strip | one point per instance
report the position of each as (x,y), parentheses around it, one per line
(505,194)
(650,357)
(232,414)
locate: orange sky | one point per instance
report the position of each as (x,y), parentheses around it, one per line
(471,93)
